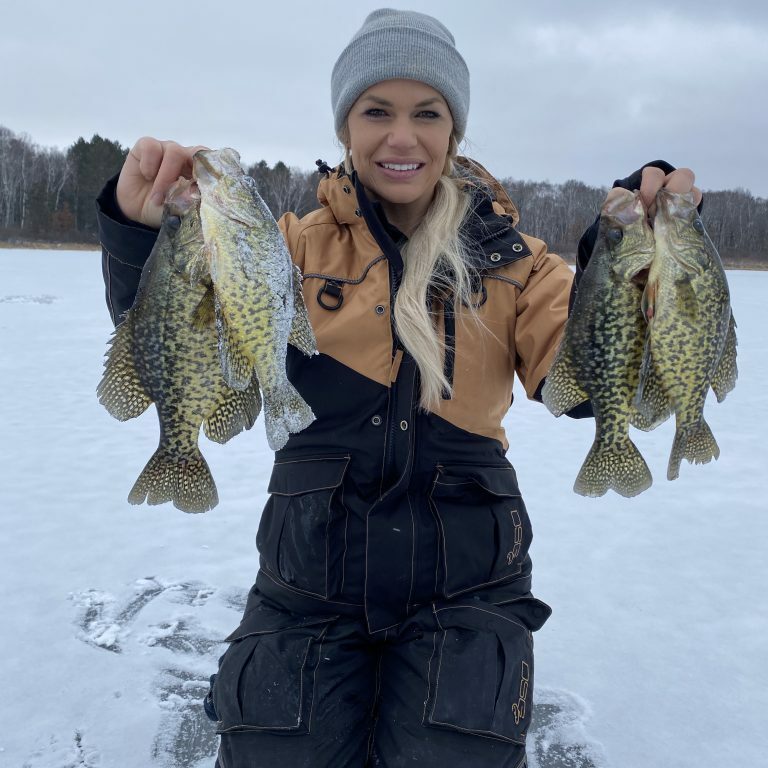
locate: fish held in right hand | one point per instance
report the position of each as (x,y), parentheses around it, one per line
(165,352)
(259,304)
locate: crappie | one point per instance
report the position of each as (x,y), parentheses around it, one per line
(259,304)
(165,352)
(602,346)
(691,338)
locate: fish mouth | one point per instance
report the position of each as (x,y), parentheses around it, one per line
(202,167)
(182,195)
(640,278)
(622,206)
(212,164)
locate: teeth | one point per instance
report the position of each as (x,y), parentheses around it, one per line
(399,167)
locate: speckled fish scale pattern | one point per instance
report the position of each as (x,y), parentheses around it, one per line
(601,350)
(256,303)
(163,352)
(691,335)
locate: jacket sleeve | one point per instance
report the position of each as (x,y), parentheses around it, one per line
(125,247)
(542,309)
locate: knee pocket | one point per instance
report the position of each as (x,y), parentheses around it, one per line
(266,678)
(481,670)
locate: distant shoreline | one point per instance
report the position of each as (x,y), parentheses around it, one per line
(45,246)
(42,245)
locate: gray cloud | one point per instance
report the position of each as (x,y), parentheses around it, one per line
(561,90)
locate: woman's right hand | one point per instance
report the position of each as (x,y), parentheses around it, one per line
(149,170)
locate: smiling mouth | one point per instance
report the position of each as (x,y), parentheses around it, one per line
(401,167)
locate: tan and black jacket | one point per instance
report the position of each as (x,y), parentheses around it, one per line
(378,507)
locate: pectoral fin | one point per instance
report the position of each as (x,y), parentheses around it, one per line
(120,390)
(562,391)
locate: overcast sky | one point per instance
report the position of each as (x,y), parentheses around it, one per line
(586,89)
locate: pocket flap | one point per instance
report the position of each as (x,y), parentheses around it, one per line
(530,610)
(482,681)
(266,678)
(296,476)
(500,481)
(264,620)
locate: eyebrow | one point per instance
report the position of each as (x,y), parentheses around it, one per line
(385,103)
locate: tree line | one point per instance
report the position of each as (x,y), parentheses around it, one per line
(47,194)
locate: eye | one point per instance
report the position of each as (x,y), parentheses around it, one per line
(173,222)
(615,235)
(429,114)
(698,225)
(375,112)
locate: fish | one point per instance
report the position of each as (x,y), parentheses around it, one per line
(165,351)
(691,335)
(259,306)
(600,353)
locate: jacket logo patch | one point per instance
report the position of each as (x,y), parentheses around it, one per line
(518,708)
(518,540)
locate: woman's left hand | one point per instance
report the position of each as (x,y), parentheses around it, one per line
(653,179)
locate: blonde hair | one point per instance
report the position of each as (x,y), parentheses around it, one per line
(435,269)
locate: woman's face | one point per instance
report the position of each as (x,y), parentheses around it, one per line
(399,135)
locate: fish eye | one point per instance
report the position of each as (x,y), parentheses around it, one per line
(698,225)
(615,235)
(173,222)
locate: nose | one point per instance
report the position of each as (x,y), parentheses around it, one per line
(402,135)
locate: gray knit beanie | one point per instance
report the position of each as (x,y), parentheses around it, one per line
(401,44)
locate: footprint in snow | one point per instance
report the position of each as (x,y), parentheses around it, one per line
(106,621)
(72,753)
(558,737)
(174,621)
(185,735)
(148,615)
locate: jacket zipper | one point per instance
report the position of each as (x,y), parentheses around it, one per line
(394,283)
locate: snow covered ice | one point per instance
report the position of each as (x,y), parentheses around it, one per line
(114,616)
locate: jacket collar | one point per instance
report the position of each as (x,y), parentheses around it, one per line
(492,239)
(489,227)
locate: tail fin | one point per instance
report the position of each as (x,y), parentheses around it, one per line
(285,411)
(697,444)
(184,480)
(616,465)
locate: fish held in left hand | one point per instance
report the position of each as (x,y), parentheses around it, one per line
(691,336)
(599,355)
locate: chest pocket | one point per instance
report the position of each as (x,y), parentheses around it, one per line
(301,532)
(484,527)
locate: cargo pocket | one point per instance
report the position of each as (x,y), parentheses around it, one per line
(266,678)
(481,670)
(484,526)
(301,534)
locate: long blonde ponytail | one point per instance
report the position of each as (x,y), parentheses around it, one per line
(435,268)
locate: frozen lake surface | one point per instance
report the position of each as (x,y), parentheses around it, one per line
(114,615)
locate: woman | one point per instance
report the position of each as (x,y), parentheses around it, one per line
(391,620)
